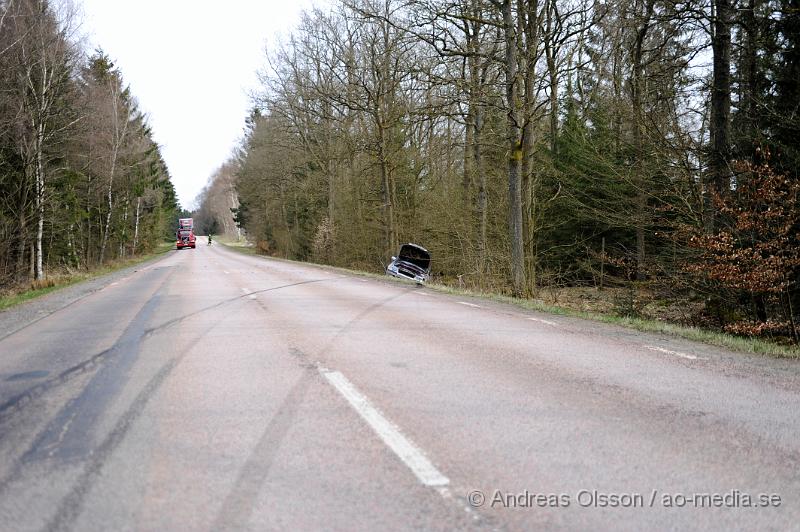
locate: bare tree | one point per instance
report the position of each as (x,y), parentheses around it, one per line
(45,58)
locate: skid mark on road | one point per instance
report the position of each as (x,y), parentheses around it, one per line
(411,455)
(19,400)
(64,438)
(23,398)
(357,318)
(71,505)
(238,504)
(228,301)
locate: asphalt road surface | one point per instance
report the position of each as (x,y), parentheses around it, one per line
(211,390)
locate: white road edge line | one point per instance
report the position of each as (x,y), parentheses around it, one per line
(405,449)
(669,352)
(469,304)
(554,324)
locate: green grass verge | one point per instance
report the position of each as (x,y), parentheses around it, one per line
(237,245)
(715,338)
(63,281)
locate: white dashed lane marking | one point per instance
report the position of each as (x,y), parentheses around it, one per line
(546,322)
(670,352)
(247,292)
(469,304)
(411,455)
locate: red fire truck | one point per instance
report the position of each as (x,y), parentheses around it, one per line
(185,235)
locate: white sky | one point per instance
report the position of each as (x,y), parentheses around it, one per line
(190,64)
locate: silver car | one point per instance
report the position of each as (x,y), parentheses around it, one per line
(413,262)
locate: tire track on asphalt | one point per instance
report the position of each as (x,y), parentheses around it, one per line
(237,507)
(240,501)
(239,504)
(17,402)
(72,504)
(65,437)
(227,301)
(58,427)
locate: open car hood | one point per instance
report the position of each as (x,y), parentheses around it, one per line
(413,262)
(415,255)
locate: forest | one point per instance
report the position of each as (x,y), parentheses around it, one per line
(647,147)
(82,182)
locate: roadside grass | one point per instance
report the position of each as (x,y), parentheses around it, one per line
(719,339)
(242,246)
(58,280)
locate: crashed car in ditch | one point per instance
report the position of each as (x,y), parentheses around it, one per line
(413,262)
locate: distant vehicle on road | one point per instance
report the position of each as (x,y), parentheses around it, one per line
(413,262)
(185,235)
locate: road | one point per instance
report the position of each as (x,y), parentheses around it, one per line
(211,390)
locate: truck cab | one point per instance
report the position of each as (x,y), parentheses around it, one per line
(185,239)
(185,235)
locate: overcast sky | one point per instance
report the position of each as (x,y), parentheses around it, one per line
(191,63)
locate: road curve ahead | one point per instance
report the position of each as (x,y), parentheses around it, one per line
(212,390)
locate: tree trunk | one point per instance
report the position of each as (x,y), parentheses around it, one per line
(107,224)
(640,179)
(118,139)
(73,251)
(748,68)
(23,240)
(528,16)
(388,210)
(39,271)
(124,228)
(469,142)
(550,56)
(331,192)
(515,153)
(136,225)
(719,173)
(482,199)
